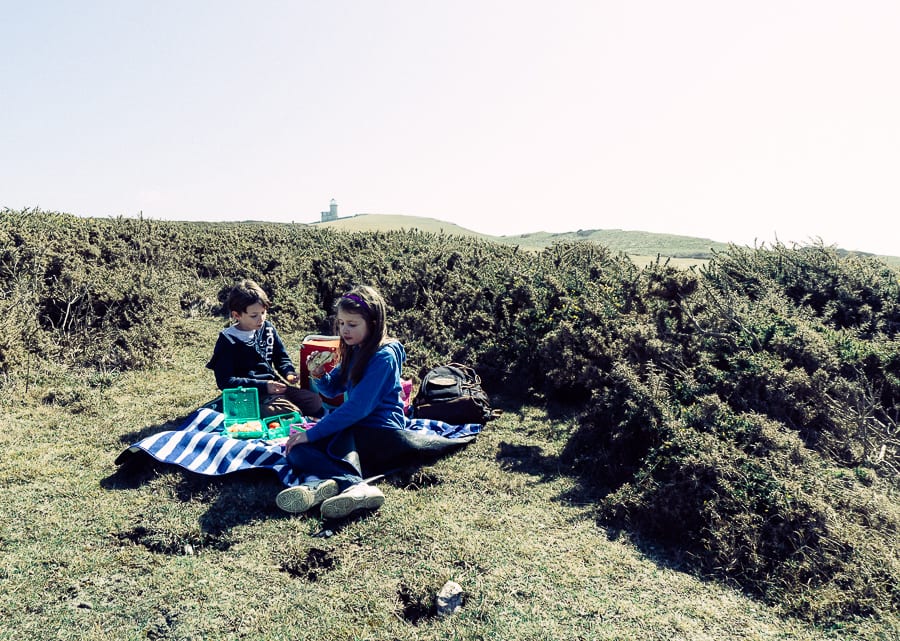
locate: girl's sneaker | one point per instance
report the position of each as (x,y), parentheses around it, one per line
(302,497)
(361,496)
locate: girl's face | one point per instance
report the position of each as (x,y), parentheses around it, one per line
(352,327)
(253,318)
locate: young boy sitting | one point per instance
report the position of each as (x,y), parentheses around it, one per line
(251,354)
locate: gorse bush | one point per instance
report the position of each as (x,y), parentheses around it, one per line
(743,415)
(95,293)
(718,404)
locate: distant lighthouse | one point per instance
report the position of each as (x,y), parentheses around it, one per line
(331,214)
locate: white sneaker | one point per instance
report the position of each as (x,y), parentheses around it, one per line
(357,497)
(302,497)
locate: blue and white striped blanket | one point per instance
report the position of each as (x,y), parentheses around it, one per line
(199,446)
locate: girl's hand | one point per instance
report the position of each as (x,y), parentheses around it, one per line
(317,361)
(315,371)
(297,438)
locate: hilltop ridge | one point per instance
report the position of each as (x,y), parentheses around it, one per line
(640,245)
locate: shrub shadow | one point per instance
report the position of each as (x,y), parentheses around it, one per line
(530,460)
(527,459)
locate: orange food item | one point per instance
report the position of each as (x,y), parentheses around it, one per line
(274,425)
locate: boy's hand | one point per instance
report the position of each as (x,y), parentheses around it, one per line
(274,387)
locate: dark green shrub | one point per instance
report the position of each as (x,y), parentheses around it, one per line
(703,404)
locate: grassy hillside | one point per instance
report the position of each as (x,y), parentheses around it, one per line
(631,242)
(387,222)
(642,246)
(684,454)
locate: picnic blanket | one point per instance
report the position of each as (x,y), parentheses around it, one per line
(199,445)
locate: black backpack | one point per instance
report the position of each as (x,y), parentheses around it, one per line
(452,393)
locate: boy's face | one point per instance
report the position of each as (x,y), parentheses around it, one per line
(352,327)
(253,318)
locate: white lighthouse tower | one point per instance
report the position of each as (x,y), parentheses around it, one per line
(331,214)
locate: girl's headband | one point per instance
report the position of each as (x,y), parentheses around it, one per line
(359,301)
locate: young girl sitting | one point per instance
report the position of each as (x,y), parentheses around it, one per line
(369,372)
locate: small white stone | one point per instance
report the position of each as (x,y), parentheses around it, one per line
(449,599)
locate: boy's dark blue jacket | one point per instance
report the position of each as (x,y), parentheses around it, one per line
(238,363)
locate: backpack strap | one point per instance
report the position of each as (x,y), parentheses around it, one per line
(470,373)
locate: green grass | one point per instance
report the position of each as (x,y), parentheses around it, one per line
(92,551)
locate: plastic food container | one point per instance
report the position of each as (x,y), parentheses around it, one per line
(241,407)
(280,425)
(242,419)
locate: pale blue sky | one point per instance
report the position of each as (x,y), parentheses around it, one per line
(728,120)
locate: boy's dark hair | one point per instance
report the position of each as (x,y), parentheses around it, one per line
(369,304)
(245,293)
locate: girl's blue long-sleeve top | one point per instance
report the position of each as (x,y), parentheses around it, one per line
(373,402)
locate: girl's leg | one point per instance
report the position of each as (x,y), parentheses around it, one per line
(323,477)
(313,465)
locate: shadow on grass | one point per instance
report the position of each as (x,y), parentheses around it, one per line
(531,460)
(234,499)
(585,493)
(136,435)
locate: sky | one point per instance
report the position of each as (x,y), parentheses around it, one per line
(737,121)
